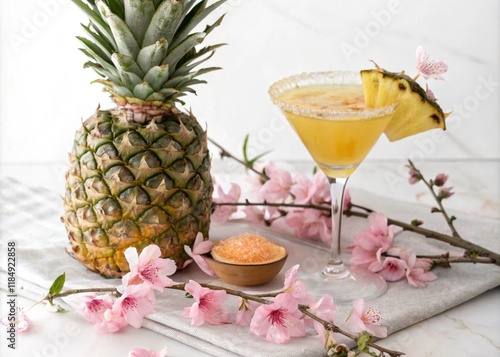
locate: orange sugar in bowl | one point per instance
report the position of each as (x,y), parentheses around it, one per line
(246,260)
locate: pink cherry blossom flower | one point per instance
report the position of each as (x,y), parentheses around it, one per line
(428,67)
(302,189)
(148,267)
(414,176)
(245,311)
(445,192)
(255,214)
(297,288)
(417,272)
(140,352)
(136,302)
(254,183)
(92,307)
(440,179)
(277,188)
(370,244)
(365,319)
(392,269)
(306,191)
(325,309)
(111,322)
(200,247)
(310,223)
(279,321)
(430,94)
(207,306)
(21,321)
(222,213)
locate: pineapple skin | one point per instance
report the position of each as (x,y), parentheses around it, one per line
(131,185)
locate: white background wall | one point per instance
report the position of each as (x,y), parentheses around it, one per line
(45,92)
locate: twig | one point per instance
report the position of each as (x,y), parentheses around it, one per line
(225,153)
(494,258)
(460,243)
(336,329)
(260,298)
(439,200)
(80,291)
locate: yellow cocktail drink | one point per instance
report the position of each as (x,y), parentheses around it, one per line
(339,142)
(327,110)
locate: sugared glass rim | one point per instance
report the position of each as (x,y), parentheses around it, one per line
(320,78)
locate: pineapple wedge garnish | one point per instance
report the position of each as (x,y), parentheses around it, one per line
(415,113)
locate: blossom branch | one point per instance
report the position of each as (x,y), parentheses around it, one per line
(446,260)
(335,329)
(438,198)
(51,297)
(459,243)
(303,308)
(259,298)
(491,257)
(224,153)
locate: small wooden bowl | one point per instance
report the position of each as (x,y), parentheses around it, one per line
(245,274)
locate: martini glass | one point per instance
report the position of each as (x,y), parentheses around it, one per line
(326,110)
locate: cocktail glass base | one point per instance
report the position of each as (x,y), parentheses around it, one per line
(358,284)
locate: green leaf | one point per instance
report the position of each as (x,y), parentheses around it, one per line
(57,285)
(99,40)
(96,20)
(245,149)
(138,15)
(95,50)
(168,91)
(157,76)
(125,40)
(194,17)
(251,162)
(152,55)
(185,65)
(156,96)
(111,74)
(164,23)
(183,48)
(116,7)
(143,90)
(363,339)
(126,63)
(129,71)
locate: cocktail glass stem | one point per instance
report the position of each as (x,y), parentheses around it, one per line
(335,268)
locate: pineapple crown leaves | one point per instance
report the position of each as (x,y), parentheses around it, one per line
(146,50)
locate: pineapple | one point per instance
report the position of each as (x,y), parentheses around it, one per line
(140,173)
(415,113)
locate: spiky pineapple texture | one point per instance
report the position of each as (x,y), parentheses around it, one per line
(130,185)
(140,173)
